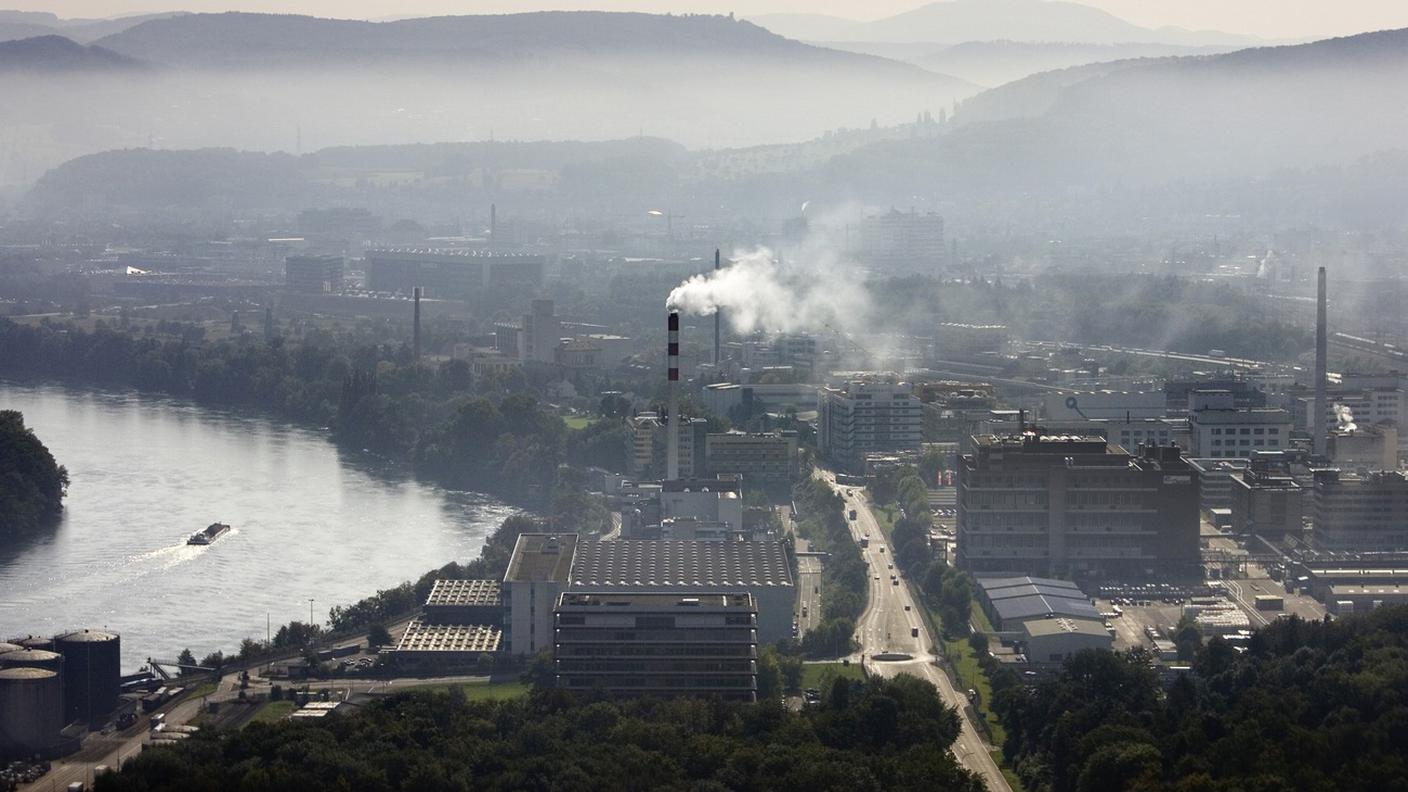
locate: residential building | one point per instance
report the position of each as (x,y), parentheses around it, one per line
(538,572)
(1221,430)
(761,458)
(657,644)
(903,242)
(862,417)
(1062,505)
(1361,512)
(313,274)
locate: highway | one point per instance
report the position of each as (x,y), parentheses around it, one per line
(887,626)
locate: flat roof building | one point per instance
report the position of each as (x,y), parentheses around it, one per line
(1221,430)
(863,417)
(762,458)
(1361,512)
(465,602)
(313,274)
(1009,601)
(427,645)
(451,272)
(657,644)
(1070,505)
(537,574)
(1057,639)
(689,567)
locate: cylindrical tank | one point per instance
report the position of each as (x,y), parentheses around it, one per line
(32,658)
(92,673)
(31,709)
(37,642)
(8,647)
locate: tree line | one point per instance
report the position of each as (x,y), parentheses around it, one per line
(873,735)
(821,520)
(1317,706)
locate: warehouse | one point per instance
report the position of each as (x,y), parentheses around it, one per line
(1008,601)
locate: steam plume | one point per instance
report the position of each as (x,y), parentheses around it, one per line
(809,294)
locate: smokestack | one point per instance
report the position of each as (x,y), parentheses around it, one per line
(493,224)
(1321,343)
(416,337)
(718,319)
(672,422)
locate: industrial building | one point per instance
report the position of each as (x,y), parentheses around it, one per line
(759,458)
(1360,512)
(451,273)
(1373,446)
(314,274)
(428,645)
(1069,405)
(1049,505)
(969,342)
(723,397)
(646,430)
(717,499)
(1221,430)
(48,683)
(1266,500)
(657,644)
(863,417)
(1010,601)
(690,567)
(464,602)
(1057,639)
(538,572)
(1245,394)
(1215,481)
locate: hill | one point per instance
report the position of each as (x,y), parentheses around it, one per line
(28,24)
(56,53)
(957,21)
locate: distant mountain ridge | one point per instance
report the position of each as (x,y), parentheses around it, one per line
(957,21)
(56,53)
(29,24)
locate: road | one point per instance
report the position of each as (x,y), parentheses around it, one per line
(888,625)
(808,594)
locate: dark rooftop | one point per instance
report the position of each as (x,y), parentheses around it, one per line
(682,562)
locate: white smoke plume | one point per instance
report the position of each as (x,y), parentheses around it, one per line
(808,292)
(1345,416)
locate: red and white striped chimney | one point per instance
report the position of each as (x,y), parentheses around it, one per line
(672,422)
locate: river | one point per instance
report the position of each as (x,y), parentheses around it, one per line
(310,521)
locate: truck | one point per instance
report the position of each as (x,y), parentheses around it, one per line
(853,514)
(865,541)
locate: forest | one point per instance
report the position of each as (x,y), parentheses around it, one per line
(458,430)
(873,735)
(32,484)
(1310,706)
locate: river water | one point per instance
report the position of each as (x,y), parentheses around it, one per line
(309,521)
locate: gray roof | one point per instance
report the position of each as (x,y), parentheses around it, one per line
(1019,608)
(680,563)
(991,584)
(539,558)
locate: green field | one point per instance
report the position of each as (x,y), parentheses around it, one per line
(820,675)
(482,691)
(274,711)
(578,421)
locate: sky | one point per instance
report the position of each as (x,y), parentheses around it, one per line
(1276,19)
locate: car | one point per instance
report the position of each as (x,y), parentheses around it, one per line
(889,566)
(906,607)
(896,581)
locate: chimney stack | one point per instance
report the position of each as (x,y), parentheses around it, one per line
(1321,352)
(493,225)
(718,319)
(415,339)
(672,422)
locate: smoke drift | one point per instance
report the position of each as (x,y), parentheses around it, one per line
(759,293)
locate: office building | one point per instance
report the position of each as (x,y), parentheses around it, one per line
(903,242)
(1361,512)
(538,572)
(646,431)
(1266,500)
(1215,481)
(1220,430)
(759,458)
(464,602)
(1061,505)
(657,644)
(863,417)
(451,273)
(313,274)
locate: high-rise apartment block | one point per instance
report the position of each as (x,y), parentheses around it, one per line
(859,418)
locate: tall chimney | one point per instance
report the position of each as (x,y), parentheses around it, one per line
(1321,352)
(718,319)
(493,225)
(672,422)
(416,335)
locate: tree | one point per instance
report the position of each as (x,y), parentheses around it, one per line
(378,636)
(34,485)
(186,658)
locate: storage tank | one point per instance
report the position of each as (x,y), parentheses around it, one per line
(32,658)
(37,642)
(92,673)
(31,709)
(9,647)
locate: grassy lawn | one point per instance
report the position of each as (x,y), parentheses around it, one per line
(820,675)
(886,516)
(578,421)
(482,691)
(274,711)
